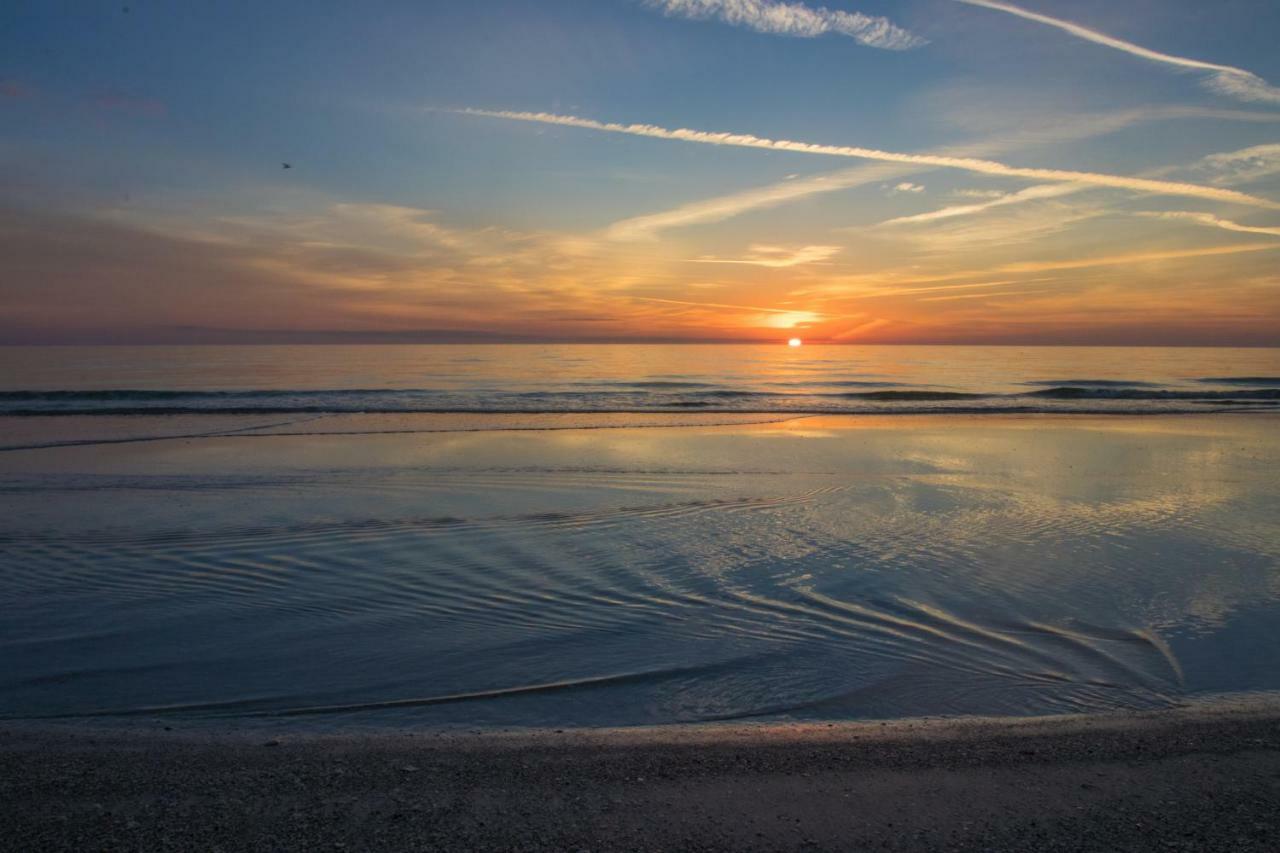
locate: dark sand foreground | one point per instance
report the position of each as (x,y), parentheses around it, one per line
(1194,779)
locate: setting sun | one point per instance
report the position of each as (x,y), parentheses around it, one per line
(446,346)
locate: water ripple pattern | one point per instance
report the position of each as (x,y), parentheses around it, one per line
(828,573)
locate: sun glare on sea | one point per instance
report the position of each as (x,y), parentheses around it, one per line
(794,342)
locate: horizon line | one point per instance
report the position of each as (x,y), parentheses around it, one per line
(779,342)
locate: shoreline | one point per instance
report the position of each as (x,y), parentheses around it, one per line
(708,573)
(56,430)
(142,729)
(1204,777)
(556,513)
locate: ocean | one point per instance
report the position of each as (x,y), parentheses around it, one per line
(442,536)
(602,378)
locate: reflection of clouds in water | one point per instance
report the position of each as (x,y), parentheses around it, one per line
(978,566)
(1167,537)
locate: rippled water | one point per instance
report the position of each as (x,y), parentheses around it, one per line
(831,379)
(812,568)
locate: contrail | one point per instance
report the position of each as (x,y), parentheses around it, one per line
(723,207)
(719,208)
(1236,166)
(1213,221)
(794,19)
(1034,193)
(1226,79)
(777,257)
(745,308)
(987,167)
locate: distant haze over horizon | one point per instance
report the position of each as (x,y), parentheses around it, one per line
(641,171)
(276,338)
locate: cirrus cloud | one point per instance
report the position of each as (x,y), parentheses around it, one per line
(1212,221)
(986,167)
(1225,79)
(793,19)
(778,257)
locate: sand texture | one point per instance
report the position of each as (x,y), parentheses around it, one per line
(1179,780)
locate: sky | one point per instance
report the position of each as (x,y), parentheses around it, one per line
(865,171)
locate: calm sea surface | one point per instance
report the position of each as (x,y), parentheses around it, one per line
(305,536)
(321,379)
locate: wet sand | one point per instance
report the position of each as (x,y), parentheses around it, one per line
(1199,778)
(820,569)
(984,541)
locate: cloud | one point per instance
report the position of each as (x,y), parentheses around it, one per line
(1134,258)
(912,291)
(768,318)
(793,19)
(1002,295)
(318,271)
(1225,79)
(867,286)
(356,266)
(749,308)
(908,187)
(1239,167)
(1059,129)
(1212,221)
(861,329)
(983,235)
(757,198)
(1228,168)
(986,167)
(977,193)
(1040,191)
(777,257)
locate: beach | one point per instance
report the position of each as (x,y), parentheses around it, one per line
(434,570)
(640,631)
(1205,777)
(656,425)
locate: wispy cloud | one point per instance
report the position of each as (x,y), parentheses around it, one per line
(1227,168)
(793,19)
(1226,79)
(986,167)
(388,265)
(777,257)
(751,308)
(984,235)
(861,330)
(757,198)
(907,187)
(1240,167)
(765,318)
(1001,295)
(1213,222)
(729,205)
(1133,258)
(872,285)
(1035,193)
(913,291)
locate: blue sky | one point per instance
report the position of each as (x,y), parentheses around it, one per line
(142,194)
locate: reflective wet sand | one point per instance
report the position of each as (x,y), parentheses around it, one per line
(817,568)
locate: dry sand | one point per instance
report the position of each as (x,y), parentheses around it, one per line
(1204,778)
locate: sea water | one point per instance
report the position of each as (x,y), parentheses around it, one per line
(235,562)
